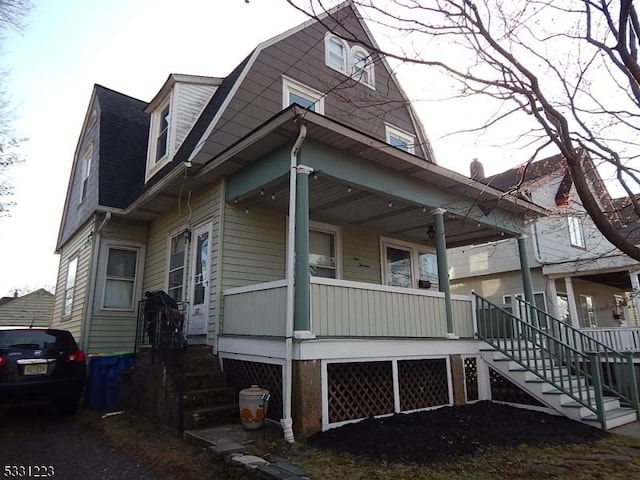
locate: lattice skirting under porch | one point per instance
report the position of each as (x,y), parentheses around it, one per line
(471,379)
(242,374)
(362,389)
(503,390)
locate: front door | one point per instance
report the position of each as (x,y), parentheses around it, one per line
(199,275)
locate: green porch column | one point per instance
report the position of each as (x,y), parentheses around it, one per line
(302,293)
(443,268)
(527,284)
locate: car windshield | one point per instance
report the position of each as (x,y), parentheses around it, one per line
(35,339)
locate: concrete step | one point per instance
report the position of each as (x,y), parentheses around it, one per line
(202,380)
(210,397)
(203,417)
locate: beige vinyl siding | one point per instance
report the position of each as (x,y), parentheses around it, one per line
(361,255)
(114,331)
(79,245)
(200,208)
(254,247)
(190,99)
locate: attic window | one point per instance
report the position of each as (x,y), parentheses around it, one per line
(400,139)
(86,170)
(295,92)
(163,134)
(354,61)
(336,53)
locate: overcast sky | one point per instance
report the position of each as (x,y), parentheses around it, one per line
(132,46)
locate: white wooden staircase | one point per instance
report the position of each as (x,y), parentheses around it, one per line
(553,397)
(564,369)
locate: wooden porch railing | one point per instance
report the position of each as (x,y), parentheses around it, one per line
(623,339)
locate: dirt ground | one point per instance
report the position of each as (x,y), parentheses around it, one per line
(450,432)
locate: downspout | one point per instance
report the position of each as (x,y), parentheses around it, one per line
(92,289)
(287,421)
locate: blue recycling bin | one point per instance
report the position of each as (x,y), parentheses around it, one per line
(103,384)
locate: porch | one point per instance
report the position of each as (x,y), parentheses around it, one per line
(348,309)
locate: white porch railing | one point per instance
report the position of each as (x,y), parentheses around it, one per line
(342,308)
(619,338)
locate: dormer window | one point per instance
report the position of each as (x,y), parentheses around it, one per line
(163,134)
(161,139)
(400,139)
(354,61)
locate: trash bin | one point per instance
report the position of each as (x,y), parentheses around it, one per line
(103,384)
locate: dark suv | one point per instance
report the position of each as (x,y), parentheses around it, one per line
(41,364)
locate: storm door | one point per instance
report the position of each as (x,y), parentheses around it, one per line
(199,275)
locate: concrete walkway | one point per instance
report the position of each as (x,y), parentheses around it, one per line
(628,430)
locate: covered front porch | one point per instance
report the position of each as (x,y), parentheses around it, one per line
(364,298)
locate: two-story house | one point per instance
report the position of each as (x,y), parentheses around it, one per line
(578,276)
(295,209)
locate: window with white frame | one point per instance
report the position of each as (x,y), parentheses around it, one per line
(162,136)
(362,66)
(70,287)
(576,232)
(295,92)
(589,319)
(336,53)
(408,265)
(400,139)
(324,250)
(120,278)
(86,170)
(538,301)
(177,262)
(354,61)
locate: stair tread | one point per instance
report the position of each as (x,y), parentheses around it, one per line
(574,404)
(208,390)
(611,414)
(218,408)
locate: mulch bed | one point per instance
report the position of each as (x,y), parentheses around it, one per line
(450,432)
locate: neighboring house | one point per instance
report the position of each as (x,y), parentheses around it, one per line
(578,276)
(295,210)
(35,308)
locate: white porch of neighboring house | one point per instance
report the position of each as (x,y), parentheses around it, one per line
(346,349)
(602,300)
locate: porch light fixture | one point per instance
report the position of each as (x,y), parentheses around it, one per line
(273,196)
(431,233)
(349,189)
(390,204)
(262,192)
(186,234)
(246,210)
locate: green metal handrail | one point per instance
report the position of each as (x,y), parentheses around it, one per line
(531,346)
(617,370)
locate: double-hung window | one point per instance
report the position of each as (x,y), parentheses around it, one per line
(324,250)
(336,53)
(177,261)
(576,232)
(70,287)
(86,170)
(120,278)
(162,139)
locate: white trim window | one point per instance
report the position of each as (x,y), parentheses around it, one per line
(120,278)
(400,139)
(588,311)
(325,250)
(408,265)
(70,287)
(362,66)
(176,273)
(576,232)
(306,97)
(335,53)
(353,61)
(86,171)
(160,138)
